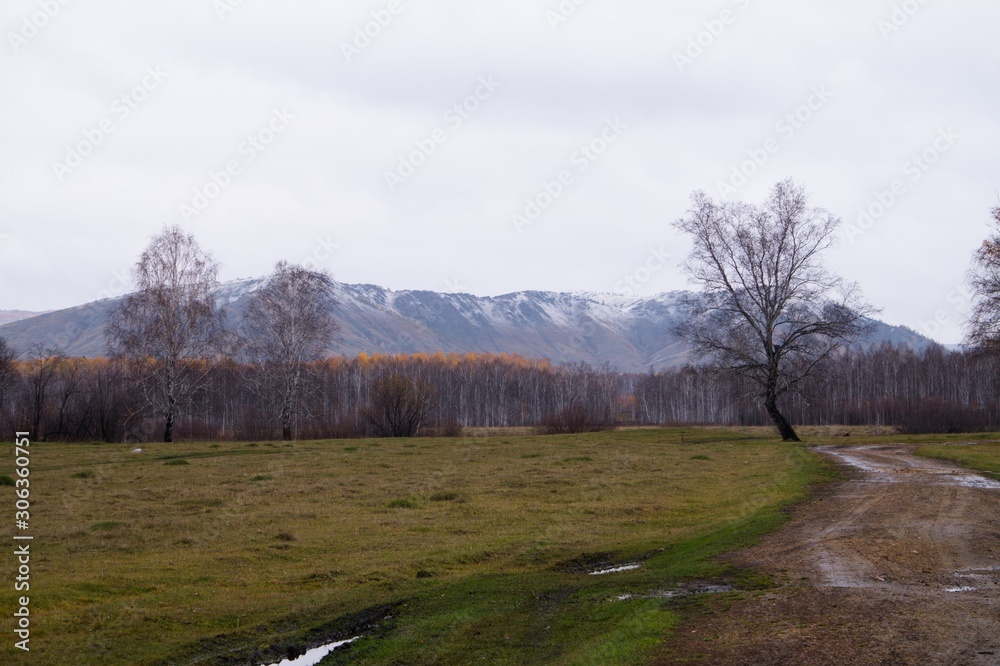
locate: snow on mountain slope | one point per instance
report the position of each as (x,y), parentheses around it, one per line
(627,332)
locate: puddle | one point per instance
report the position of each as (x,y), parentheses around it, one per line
(891,466)
(624,567)
(960,589)
(314,656)
(973,482)
(853,461)
(679,592)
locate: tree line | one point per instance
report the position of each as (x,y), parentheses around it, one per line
(74,399)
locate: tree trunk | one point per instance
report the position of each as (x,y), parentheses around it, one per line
(784,427)
(168,431)
(286,417)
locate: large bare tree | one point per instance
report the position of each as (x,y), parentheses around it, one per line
(169,330)
(769,309)
(984,278)
(289,323)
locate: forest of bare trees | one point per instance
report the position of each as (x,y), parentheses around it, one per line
(91,400)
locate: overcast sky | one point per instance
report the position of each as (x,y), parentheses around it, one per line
(403,143)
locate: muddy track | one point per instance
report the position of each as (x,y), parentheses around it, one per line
(900,565)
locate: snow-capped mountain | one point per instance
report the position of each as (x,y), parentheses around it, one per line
(629,333)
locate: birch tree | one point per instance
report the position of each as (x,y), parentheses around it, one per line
(289,324)
(170,330)
(984,278)
(769,310)
(8,374)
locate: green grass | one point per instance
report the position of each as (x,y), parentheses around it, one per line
(478,548)
(983,456)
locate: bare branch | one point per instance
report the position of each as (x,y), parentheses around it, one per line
(769,309)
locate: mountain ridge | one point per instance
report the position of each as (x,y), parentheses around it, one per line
(631,333)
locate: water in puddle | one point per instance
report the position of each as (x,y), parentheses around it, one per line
(960,589)
(971,481)
(314,656)
(624,567)
(889,472)
(681,592)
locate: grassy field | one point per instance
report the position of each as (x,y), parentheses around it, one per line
(443,551)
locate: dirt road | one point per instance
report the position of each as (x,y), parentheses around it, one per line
(900,565)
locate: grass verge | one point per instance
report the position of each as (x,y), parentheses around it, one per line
(982,456)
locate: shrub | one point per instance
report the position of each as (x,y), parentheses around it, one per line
(578,419)
(447,497)
(398,407)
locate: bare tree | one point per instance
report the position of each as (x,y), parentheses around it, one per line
(770,311)
(170,329)
(42,369)
(399,406)
(289,323)
(8,372)
(984,278)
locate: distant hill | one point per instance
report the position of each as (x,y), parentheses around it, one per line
(10,316)
(629,333)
